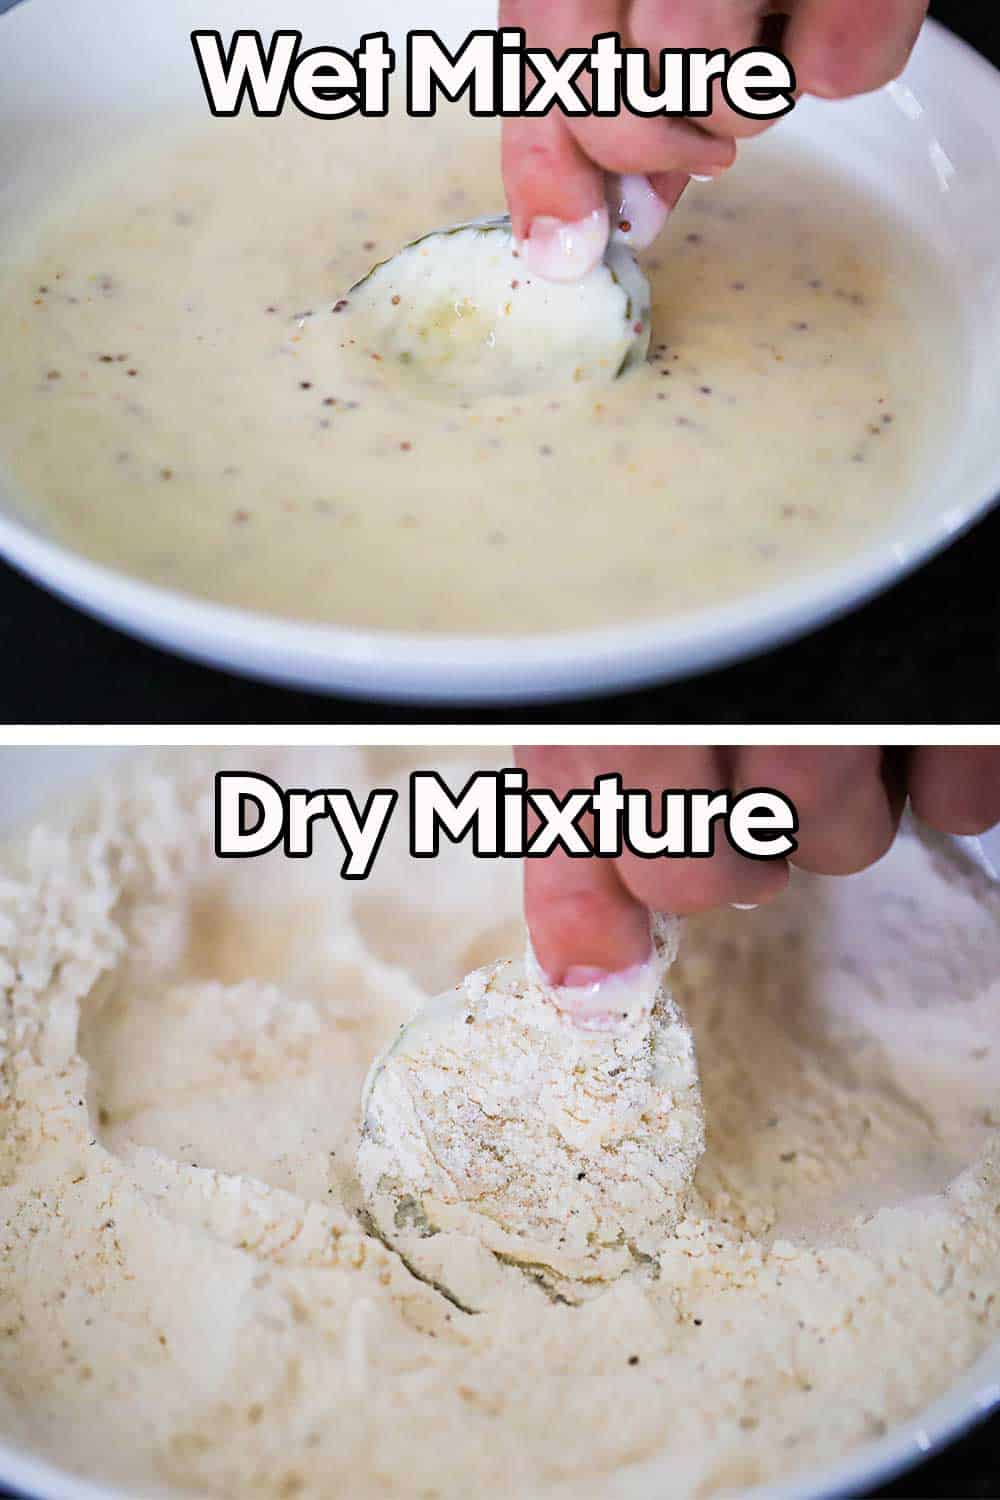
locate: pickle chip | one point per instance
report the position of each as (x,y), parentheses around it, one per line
(455,315)
(567,1153)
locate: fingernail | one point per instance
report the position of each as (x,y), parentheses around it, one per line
(596,1000)
(745,905)
(638,213)
(558,251)
(580,975)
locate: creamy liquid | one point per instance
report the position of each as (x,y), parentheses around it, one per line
(160,416)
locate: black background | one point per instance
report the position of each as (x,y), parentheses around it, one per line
(926,652)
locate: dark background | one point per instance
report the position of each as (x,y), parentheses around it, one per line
(926,652)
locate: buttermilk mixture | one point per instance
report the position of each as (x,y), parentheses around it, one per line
(162,414)
(193,1301)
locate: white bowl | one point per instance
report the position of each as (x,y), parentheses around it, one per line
(32,779)
(81,73)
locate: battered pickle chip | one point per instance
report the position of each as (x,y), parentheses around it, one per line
(567,1152)
(456,315)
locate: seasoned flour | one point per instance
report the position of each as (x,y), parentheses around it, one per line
(191,1302)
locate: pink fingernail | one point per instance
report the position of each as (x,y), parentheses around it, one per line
(596,1000)
(638,211)
(558,251)
(579,975)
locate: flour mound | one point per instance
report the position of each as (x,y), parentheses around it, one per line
(567,1151)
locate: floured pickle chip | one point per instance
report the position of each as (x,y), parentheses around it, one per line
(568,1152)
(456,315)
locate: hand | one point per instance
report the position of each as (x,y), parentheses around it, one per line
(589,916)
(555,166)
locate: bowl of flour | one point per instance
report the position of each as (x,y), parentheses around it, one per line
(194,1302)
(190,448)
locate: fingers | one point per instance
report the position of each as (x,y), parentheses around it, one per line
(715,25)
(626,142)
(555,194)
(549,185)
(562,205)
(844,47)
(556,198)
(635,143)
(579,914)
(848,811)
(553,165)
(582,920)
(686,886)
(956,788)
(591,914)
